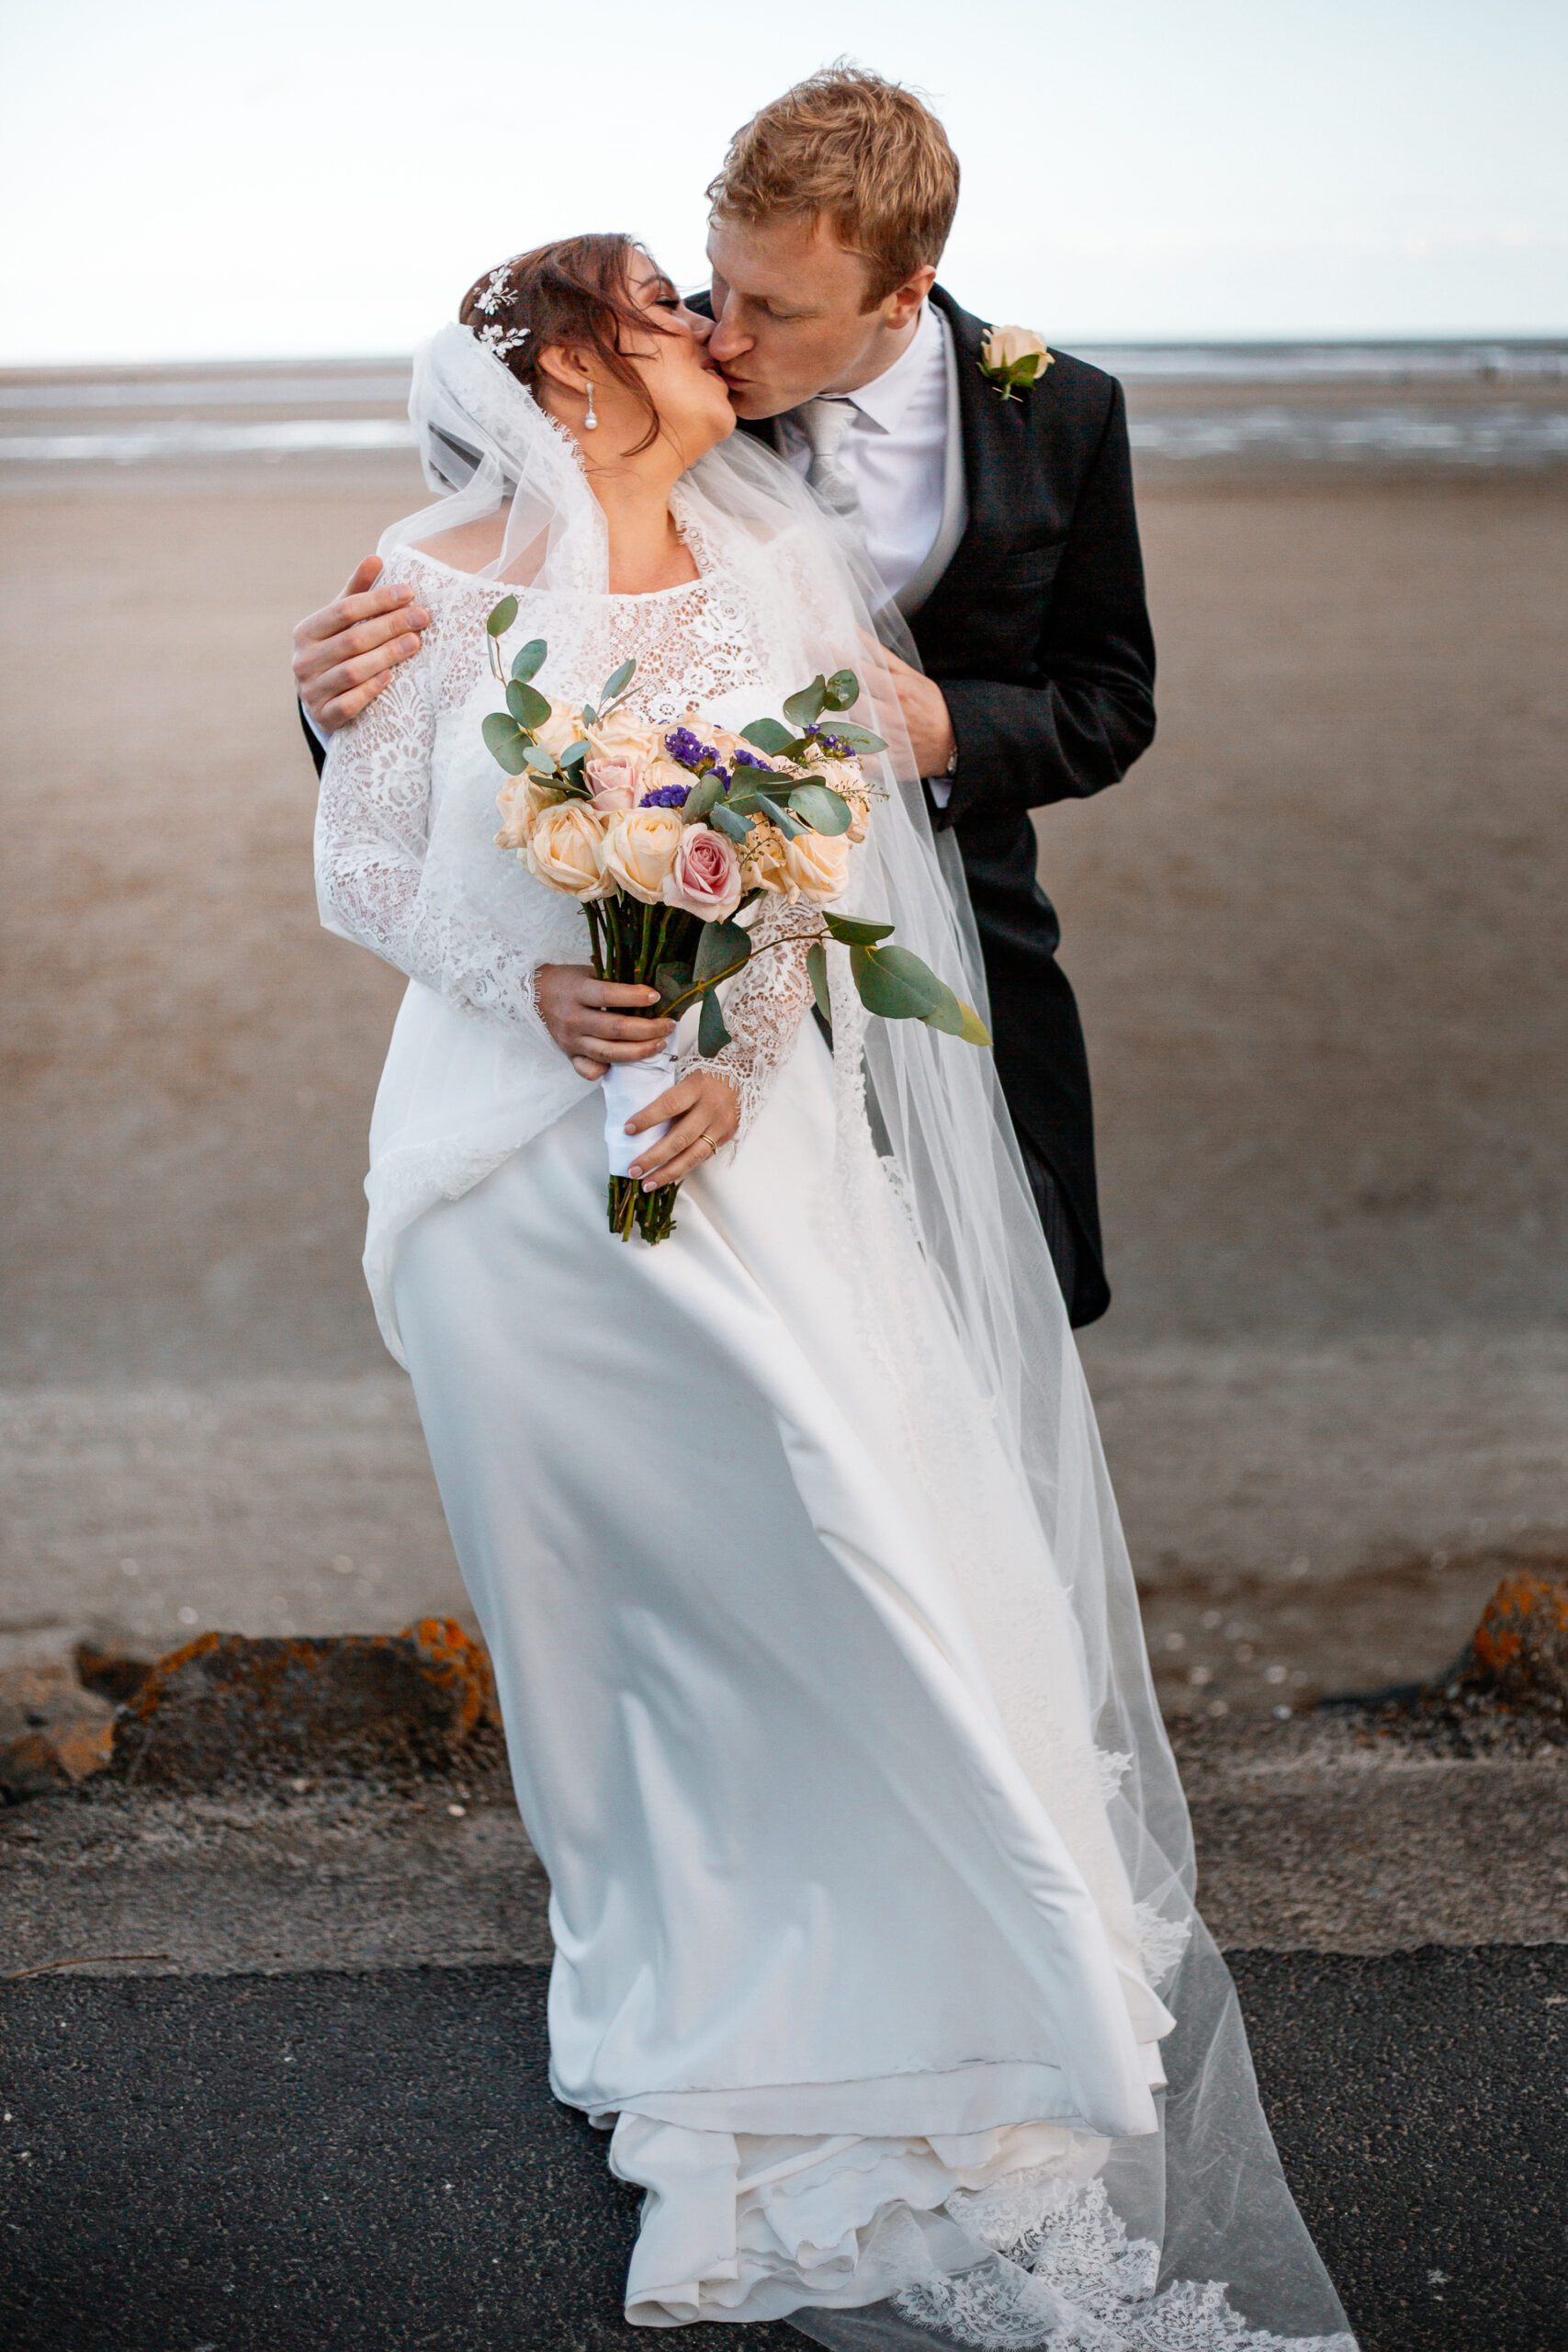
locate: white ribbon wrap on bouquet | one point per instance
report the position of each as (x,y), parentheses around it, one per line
(630,1087)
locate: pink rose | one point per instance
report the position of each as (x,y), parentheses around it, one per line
(614,785)
(705,878)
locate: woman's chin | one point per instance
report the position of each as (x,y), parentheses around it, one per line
(705,433)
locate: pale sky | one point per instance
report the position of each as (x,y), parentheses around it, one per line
(195,178)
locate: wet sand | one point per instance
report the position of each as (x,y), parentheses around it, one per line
(1317,936)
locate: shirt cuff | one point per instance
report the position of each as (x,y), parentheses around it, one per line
(941,789)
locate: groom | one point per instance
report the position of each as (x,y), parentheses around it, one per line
(1003,527)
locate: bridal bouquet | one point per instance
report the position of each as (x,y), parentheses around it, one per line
(665,834)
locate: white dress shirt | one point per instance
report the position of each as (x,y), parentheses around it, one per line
(895,452)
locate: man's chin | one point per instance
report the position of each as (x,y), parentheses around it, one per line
(756,400)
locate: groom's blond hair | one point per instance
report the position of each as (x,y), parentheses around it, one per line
(860,152)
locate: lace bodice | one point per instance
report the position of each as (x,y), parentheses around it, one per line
(407,803)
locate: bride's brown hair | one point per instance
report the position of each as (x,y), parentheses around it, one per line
(575,291)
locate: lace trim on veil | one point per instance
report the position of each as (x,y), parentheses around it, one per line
(1064,2273)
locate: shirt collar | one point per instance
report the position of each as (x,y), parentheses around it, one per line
(885,400)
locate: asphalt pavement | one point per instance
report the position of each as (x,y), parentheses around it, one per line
(372,2162)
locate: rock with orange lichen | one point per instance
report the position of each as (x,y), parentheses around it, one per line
(53,1732)
(1507,1694)
(230,1706)
(1518,1653)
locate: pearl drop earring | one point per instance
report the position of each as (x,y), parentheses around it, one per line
(590,422)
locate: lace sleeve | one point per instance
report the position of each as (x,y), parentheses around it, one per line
(765,1008)
(372,827)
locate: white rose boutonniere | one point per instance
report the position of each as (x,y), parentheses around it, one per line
(1013,358)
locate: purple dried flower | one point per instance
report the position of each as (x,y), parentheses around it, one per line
(686,747)
(750,760)
(669,796)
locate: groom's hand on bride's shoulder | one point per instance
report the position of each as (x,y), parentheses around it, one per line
(345,654)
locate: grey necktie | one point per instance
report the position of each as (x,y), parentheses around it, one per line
(825,422)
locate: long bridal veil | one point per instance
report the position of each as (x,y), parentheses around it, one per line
(1185,2237)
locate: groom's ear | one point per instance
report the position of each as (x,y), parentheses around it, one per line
(900,307)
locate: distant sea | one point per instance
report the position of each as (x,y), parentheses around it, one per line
(1447,403)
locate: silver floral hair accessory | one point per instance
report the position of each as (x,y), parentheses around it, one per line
(502,340)
(497,290)
(496,294)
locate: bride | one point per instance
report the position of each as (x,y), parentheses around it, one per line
(816,1639)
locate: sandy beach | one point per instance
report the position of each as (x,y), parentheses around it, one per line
(1317,936)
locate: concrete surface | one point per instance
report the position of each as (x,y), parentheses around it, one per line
(1310,1835)
(372,2161)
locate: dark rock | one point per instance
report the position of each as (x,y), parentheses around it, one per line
(53,1732)
(1520,1651)
(109,1665)
(229,1706)
(1507,1691)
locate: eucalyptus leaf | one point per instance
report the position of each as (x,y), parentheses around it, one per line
(767,736)
(816,971)
(503,616)
(701,798)
(590,716)
(843,691)
(819,805)
(617,683)
(808,705)
(724,821)
(743,798)
(528,707)
(947,1015)
(529,660)
(860,739)
(895,983)
(574,755)
(535,757)
(672,980)
(852,932)
(790,827)
(504,741)
(722,948)
(712,1035)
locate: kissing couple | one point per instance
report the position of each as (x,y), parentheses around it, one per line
(814,1629)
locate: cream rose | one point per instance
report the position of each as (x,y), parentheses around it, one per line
(560,730)
(762,860)
(1005,346)
(564,850)
(639,849)
(619,735)
(614,784)
(819,865)
(520,802)
(705,876)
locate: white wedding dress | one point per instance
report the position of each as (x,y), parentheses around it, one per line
(802,1713)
